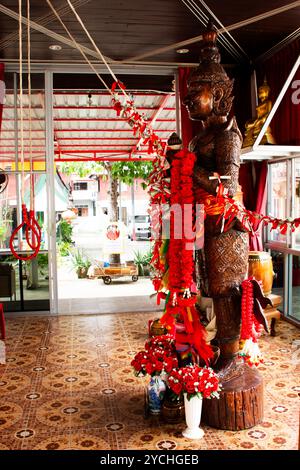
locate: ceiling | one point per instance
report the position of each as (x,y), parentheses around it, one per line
(125,30)
(134,36)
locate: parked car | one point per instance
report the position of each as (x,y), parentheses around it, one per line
(141,228)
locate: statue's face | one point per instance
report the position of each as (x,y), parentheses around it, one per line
(263,94)
(199,101)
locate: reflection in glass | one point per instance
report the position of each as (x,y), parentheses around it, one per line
(297,200)
(295,307)
(278,196)
(8,212)
(278,281)
(24,285)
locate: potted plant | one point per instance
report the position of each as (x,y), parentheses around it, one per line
(195,383)
(81,263)
(64,231)
(142,260)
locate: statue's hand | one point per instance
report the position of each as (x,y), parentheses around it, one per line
(201,180)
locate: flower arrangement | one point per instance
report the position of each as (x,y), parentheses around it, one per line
(158,357)
(194,381)
(165,342)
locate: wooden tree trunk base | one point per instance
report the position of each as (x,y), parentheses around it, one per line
(240,405)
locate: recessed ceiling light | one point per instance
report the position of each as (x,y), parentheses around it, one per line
(182,51)
(55,47)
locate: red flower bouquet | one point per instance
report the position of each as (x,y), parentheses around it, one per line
(165,342)
(194,381)
(158,357)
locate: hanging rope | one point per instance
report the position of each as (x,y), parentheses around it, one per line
(31,239)
(97,48)
(29,224)
(78,46)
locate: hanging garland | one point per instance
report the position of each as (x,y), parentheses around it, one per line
(180,312)
(232,208)
(253,320)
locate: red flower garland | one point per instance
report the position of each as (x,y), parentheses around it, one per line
(180,304)
(181,260)
(251,328)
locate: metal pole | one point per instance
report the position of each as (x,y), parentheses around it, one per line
(132,234)
(50,168)
(120,201)
(286,293)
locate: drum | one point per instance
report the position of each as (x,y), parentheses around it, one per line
(261,267)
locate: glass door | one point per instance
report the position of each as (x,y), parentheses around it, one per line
(284,203)
(24,285)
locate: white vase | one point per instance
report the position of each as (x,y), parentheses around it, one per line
(193,409)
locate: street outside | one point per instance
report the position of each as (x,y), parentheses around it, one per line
(94,250)
(92,295)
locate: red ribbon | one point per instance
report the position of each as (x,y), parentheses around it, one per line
(118,84)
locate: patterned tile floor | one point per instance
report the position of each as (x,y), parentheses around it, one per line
(68,384)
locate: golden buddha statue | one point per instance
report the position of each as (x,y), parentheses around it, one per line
(253,126)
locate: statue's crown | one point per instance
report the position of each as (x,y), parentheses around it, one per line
(209,69)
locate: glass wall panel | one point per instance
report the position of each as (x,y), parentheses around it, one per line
(278,281)
(295,297)
(24,285)
(278,196)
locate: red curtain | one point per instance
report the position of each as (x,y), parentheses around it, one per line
(253,179)
(286,121)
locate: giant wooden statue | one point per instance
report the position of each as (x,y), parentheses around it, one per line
(223,263)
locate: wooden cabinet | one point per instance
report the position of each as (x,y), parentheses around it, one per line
(7,281)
